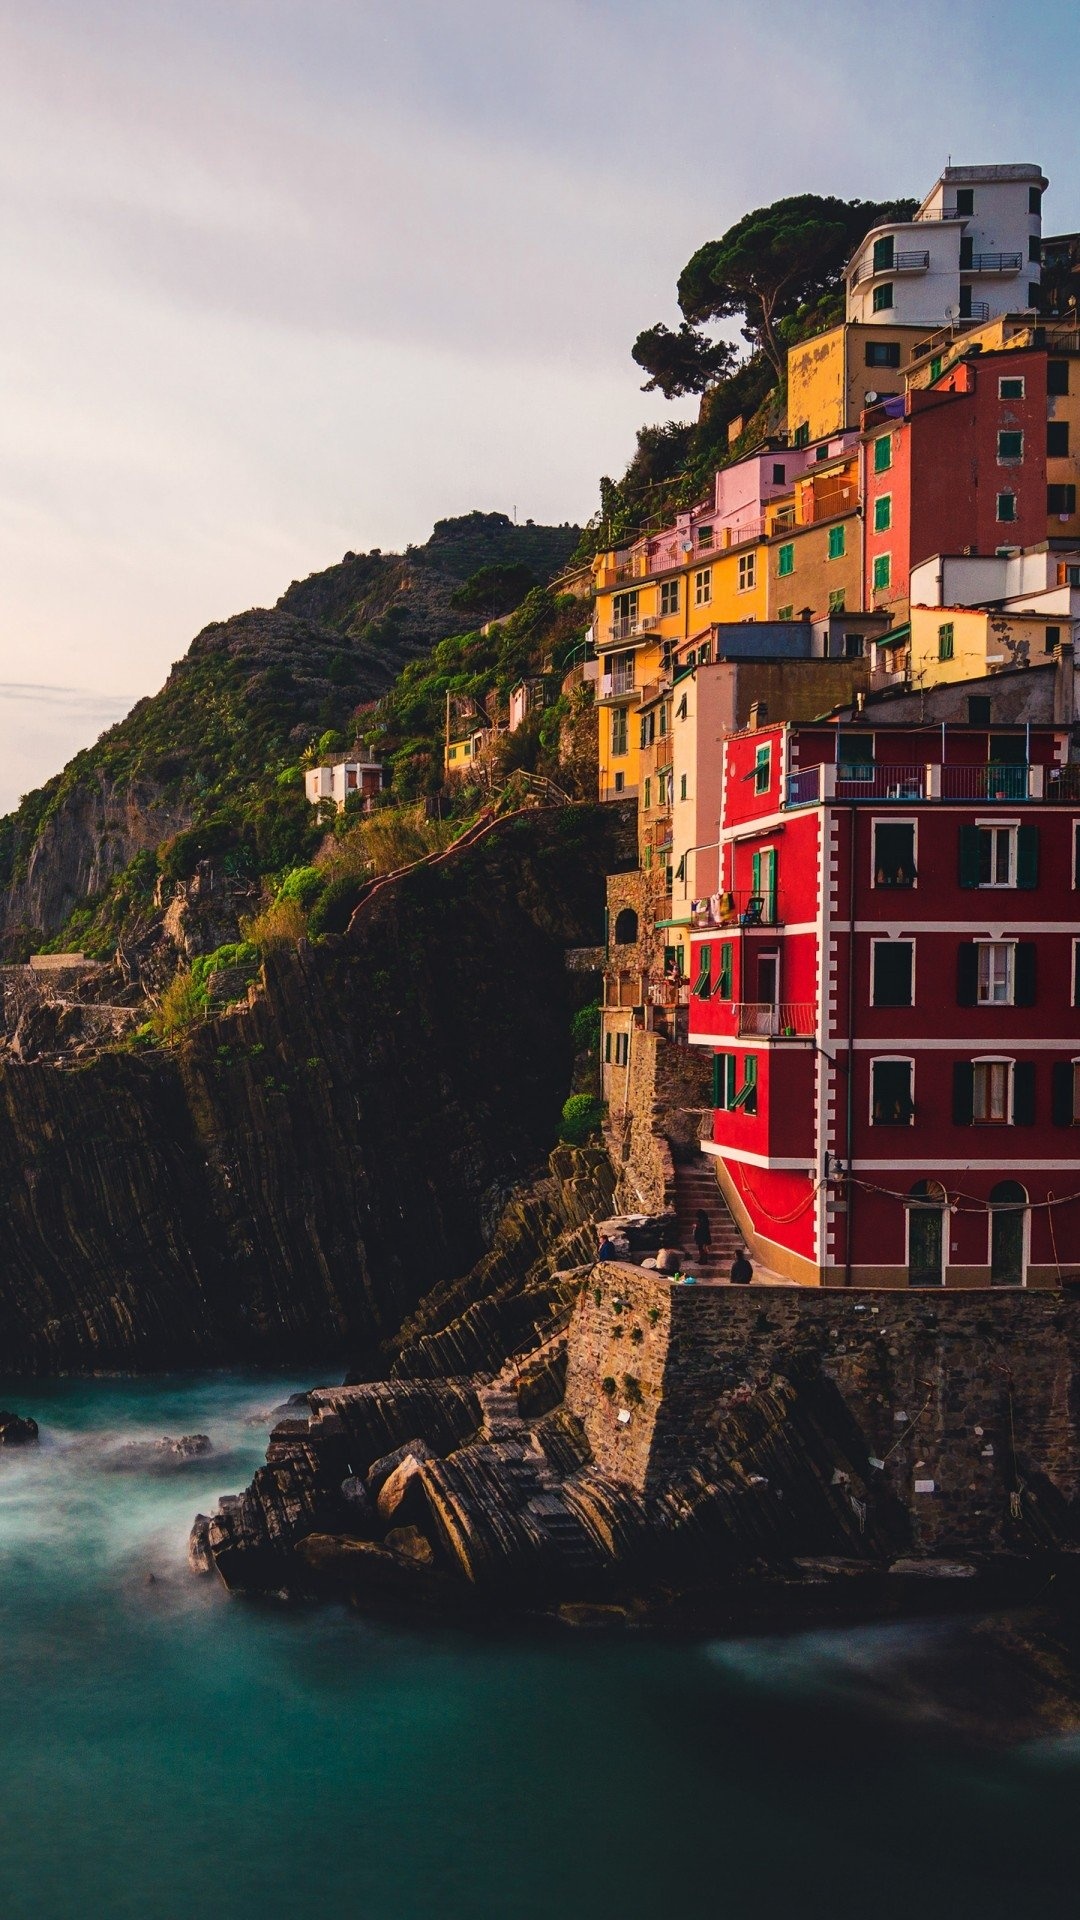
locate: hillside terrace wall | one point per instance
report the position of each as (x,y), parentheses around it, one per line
(970,1399)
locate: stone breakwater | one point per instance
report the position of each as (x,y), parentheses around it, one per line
(683,1439)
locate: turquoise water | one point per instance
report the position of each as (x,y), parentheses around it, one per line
(166,1752)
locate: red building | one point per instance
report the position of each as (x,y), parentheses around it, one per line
(956,467)
(889,984)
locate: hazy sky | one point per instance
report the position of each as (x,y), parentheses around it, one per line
(284,279)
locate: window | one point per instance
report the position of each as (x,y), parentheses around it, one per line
(763,885)
(935,368)
(785,560)
(682,786)
(669,596)
(894,853)
(746,1098)
(945,641)
(723,984)
(1057,376)
(891,1103)
(801,435)
(624,607)
(838,600)
(883,297)
(978,710)
(882,571)
(620,782)
(626,927)
(821,453)
(965,302)
(648,794)
(702,986)
(1034,199)
(883,513)
(995,973)
(1062,500)
(965,200)
(1057,439)
(1033,293)
(836,543)
(1011,387)
(883,353)
(1006,506)
(884,254)
(999,856)
(619,729)
(703,587)
(664,713)
(779,473)
(786,613)
(967,253)
(854,644)
(1010,445)
(622,1049)
(990,1091)
(854,749)
(1051,639)
(747,571)
(648,730)
(762,763)
(704,536)
(1034,247)
(892,969)
(883,453)
(723,1087)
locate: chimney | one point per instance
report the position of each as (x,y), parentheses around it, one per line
(759,714)
(860,700)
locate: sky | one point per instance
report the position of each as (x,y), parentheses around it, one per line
(283,278)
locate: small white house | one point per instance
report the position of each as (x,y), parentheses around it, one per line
(339,779)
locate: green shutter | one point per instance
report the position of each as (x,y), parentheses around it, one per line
(719,1098)
(723,987)
(1024,1093)
(969,856)
(967,974)
(1061,1098)
(786,560)
(836,543)
(1027,857)
(883,513)
(883,453)
(755,873)
(963,1094)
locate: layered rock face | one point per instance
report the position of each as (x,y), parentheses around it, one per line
(685,1439)
(299,1173)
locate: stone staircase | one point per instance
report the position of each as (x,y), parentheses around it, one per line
(696,1189)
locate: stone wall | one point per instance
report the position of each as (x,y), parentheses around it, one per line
(669,1087)
(969,1401)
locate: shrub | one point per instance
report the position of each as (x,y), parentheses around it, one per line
(608,1385)
(335,907)
(303,884)
(632,1388)
(235,953)
(585,1028)
(180,856)
(279,925)
(581,1117)
(181,1004)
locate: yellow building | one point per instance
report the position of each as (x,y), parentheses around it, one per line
(814,554)
(663,589)
(829,377)
(962,643)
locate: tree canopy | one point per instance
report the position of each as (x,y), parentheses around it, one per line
(765,268)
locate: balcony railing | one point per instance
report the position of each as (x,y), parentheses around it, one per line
(1008,782)
(856,782)
(615,686)
(776,1020)
(632,629)
(669,993)
(993,263)
(997,781)
(978,310)
(744,908)
(912,261)
(940,213)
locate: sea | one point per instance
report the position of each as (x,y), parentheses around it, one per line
(167,1751)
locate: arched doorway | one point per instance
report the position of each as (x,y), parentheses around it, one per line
(1008,1234)
(626,928)
(926,1234)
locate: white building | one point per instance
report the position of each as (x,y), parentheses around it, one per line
(970,252)
(340,779)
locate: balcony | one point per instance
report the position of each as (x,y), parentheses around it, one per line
(669,993)
(616,686)
(940,213)
(1008,782)
(776,1020)
(993,263)
(917,261)
(743,908)
(852,782)
(1005,782)
(978,310)
(621,630)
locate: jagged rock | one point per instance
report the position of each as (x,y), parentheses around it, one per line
(410,1542)
(371,1574)
(401,1493)
(17,1430)
(200,1556)
(156,1456)
(382,1470)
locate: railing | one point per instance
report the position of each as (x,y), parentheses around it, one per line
(776,1020)
(1063,783)
(1001,782)
(669,993)
(993,263)
(743,908)
(940,213)
(613,686)
(978,310)
(855,782)
(630,629)
(804,789)
(909,262)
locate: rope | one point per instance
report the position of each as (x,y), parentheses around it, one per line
(778,1219)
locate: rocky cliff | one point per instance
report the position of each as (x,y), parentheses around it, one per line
(300,1172)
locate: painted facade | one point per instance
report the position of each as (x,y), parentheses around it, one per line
(344,779)
(888,986)
(972,251)
(830,376)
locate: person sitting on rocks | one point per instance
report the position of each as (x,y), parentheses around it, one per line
(669,1260)
(607,1249)
(741,1270)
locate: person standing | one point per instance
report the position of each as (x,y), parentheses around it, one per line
(702,1235)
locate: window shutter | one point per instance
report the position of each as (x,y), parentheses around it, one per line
(1024,1093)
(724,984)
(607,1047)
(719,1080)
(1027,857)
(1025,973)
(969,856)
(967,973)
(1061,1094)
(963,1093)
